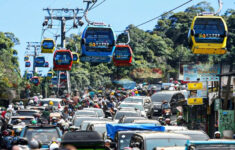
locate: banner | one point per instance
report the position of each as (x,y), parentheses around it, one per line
(204,72)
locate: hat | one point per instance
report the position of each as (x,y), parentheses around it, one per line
(54,146)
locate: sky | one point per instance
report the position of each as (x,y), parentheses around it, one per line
(24,18)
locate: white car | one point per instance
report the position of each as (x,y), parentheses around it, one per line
(137,106)
(57,103)
(144,100)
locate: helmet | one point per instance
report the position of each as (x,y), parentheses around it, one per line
(34,121)
(53,146)
(51,103)
(136,92)
(168,120)
(34,144)
(53,118)
(179,117)
(5,133)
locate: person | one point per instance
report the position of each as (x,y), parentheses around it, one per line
(165,105)
(168,122)
(160,119)
(54,146)
(180,121)
(217,135)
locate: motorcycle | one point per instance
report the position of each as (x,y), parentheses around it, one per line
(167,113)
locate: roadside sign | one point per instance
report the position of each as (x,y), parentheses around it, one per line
(195,86)
(195,101)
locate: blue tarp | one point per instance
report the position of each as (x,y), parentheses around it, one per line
(112,129)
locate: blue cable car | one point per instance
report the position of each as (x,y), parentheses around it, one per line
(97,43)
(54,80)
(29,76)
(35,80)
(39,61)
(27,64)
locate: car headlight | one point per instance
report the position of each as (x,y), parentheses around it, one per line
(146,109)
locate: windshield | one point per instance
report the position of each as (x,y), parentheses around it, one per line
(100,129)
(124,141)
(197,137)
(134,100)
(75,57)
(63,58)
(48,44)
(139,107)
(78,121)
(152,143)
(85,113)
(55,103)
(44,135)
(25,120)
(26,113)
(215,147)
(122,53)
(209,30)
(40,60)
(99,39)
(127,114)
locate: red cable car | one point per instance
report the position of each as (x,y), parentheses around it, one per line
(122,55)
(46,64)
(63,77)
(63,60)
(27,64)
(35,80)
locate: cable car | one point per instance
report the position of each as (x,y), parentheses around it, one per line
(63,60)
(27,64)
(50,75)
(75,58)
(40,61)
(63,77)
(97,43)
(48,46)
(26,58)
(208,35)
(122,55)
(35,80)
(29,76)
(54,80)
(46,64)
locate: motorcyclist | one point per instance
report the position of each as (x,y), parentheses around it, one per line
(165,106)
(168,122)
(217,135)
(160,119)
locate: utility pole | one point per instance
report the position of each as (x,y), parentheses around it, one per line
(65,14)
(33,49)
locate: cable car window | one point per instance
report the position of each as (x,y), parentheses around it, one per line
(40,60)
(75,57)
(48,44)
(209,30)
(99,39)
(35,80)
(63,58)
(122,53)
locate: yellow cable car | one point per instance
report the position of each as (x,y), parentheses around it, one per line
(208,35)
(75,58)
(26,58)
(50,75)
(48,46)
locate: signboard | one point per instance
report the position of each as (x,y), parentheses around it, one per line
(195,86)
(204,72)
(195,101)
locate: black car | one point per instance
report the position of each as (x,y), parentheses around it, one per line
(174,98)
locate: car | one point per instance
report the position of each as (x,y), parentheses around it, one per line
(45,134)
(126,113)
(130,119)
(175,128)
(25,120)
(145,100)
(217,144)
(99,111)
(138,106)
(195,135)
(98,127)
(57,103)
(81,140)
(27,112)
(89,113)
(174,98)
(146,121)
(40,108)
(153,140)
(86,123)
(77,121)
